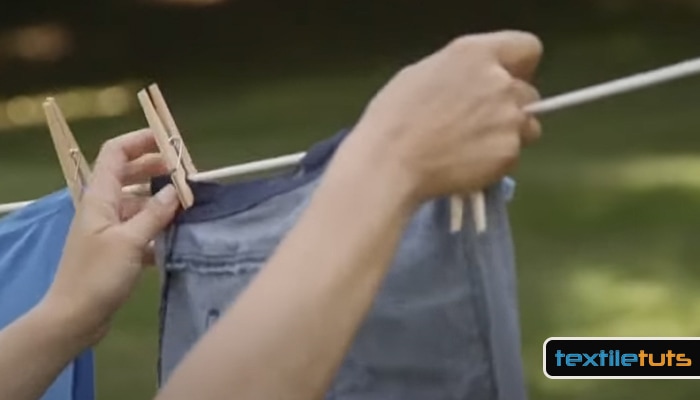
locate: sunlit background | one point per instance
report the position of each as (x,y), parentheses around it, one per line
(607,212)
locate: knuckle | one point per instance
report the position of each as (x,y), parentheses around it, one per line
(536,130)
(109,147)
(129,169)
(536,126)
(406,70)
(514,117)
(523,36)
(516,32)
(500,75)
(511,159)
(499,79)
(470,45)
(511,148)
(462,43)
(522,92)
(526,89)
(514,87)
(535,43)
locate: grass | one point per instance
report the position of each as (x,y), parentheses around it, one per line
(605,218)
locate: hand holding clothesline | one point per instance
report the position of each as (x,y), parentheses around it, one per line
(454,122)
(582,96)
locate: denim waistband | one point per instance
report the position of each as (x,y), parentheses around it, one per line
(213,200)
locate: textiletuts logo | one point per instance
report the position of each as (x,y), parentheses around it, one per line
(621,358)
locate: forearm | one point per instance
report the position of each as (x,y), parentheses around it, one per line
(288,332)
(35,349)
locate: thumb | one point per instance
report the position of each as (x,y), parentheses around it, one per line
(518,52)
(157,213)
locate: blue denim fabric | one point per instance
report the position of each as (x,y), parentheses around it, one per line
(444,325)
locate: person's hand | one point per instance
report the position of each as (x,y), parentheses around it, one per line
(455,121)
(103,256)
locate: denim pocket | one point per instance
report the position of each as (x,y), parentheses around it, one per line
(197,294)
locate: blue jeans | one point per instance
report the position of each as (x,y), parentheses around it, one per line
(443,326)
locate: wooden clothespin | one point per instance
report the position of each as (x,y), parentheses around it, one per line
(456,213)
(171,128)
(478,204)
(169,141)
(76,169)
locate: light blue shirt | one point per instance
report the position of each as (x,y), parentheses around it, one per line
(31,243)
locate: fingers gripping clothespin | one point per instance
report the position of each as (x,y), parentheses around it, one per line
(76,169)
(170,143)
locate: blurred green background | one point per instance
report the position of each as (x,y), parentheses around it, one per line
(607,210)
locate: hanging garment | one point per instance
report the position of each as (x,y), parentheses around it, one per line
(443,326)
(31,244)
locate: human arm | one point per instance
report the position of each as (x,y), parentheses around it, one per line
(36,348)
(306,302)
(449,124)
(100,265)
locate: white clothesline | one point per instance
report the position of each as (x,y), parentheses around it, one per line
(596,92)
(619,86)
(225,173)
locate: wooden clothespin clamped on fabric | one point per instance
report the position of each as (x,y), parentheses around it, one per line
(169,141)
(478,204)
(76,169)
